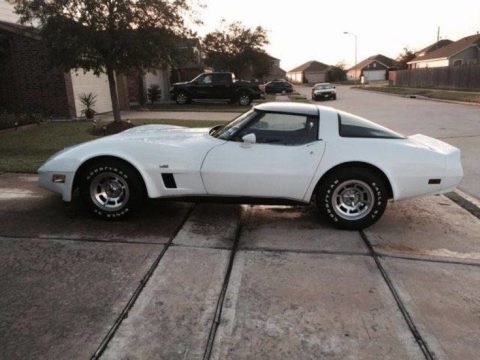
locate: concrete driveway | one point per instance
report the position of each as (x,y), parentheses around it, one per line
(185,281)
(456,124)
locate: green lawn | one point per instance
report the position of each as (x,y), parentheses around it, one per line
(25,150)
(466,96)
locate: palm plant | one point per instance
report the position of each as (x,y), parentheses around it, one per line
(88,101)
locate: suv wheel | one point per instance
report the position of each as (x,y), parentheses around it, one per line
(244,99)
(182,98)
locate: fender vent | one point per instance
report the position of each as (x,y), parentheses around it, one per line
(169,181)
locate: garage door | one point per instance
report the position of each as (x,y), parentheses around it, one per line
(315,77)
(375,75)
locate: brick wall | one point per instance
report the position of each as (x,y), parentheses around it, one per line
(28,84)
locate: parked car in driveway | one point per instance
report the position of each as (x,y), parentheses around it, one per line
(323,91)
(218,86)
(282,153)
(278,87)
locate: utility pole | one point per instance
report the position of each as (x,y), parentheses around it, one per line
(355,36)
(438,34)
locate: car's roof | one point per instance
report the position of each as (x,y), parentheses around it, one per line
(322,84)
(290,107)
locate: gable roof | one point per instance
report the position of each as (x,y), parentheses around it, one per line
(450,49)
(311,66)
(435,46)
(382,59)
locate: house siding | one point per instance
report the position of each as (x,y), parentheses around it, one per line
(468,56)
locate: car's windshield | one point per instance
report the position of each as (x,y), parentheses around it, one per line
(323,86)
(225,132)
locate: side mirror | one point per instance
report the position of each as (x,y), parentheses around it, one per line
(249,138)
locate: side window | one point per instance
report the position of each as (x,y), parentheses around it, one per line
(353,126)
(207,79)
(282,129)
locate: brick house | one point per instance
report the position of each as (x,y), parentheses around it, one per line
(29,84)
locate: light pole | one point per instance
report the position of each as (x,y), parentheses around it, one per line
(355,36)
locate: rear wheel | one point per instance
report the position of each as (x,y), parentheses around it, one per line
(352,198)
(244,99)
(334,97)
(111,189)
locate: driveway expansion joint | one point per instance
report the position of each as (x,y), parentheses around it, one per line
(90,240)
(429,355)
(294,251)
(131,302)
(464,203)
(438,261)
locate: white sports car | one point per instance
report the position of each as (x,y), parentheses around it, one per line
(276,153)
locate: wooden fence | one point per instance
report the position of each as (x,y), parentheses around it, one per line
(450,77)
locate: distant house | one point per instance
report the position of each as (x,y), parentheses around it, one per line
(447,53)
(310,72)
(374,68)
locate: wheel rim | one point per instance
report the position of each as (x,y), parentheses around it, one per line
(244,100)
(109,191)
(352,199)
(181,98)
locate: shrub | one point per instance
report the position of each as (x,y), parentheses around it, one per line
(154,93)
(8,120)
(88,101)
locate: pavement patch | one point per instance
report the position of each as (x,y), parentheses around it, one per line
(28,211)
(290,305)
(295,229)
(210,225)
(444,301)
(172,317)
(60,297)
(432,228)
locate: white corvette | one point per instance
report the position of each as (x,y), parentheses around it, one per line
(274,153)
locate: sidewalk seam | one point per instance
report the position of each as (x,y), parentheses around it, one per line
(133,298)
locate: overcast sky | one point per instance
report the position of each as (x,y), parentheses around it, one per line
(303,30)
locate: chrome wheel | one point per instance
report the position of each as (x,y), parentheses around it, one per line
(352,199)
(182,99)
(244,100)
(109,191)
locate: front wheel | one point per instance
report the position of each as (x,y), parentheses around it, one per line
(182,98)
(111,189)
(352,198)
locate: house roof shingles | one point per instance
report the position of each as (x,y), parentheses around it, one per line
(450,49)
(389,63)
(311,66)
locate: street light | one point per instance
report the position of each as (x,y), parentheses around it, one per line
(355,36)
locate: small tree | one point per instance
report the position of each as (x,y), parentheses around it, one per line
(88,101)
(337,72)
(108,36)
(404,57)
(238,49)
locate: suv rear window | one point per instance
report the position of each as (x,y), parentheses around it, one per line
(354,126)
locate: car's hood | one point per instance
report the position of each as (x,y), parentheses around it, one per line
(161,133)
(181,83)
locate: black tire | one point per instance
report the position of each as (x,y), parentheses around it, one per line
(244,99)
(351,189)
(182,98)
(126,189)
(314,98)
(334,97)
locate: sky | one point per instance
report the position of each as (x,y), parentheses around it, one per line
(304,30)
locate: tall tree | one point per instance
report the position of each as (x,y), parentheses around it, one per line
(238,49)
(405,56)
(109,36)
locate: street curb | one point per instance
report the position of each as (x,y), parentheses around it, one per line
(419,97)
(465,201)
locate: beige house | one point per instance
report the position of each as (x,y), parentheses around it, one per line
(462,52)
(311,72)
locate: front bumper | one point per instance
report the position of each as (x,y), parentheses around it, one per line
(46,181)
(323,94)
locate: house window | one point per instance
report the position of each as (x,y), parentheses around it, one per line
(374,65)
(457,62)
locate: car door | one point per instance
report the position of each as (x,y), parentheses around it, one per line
(280,164)
(221,86)
(202,87)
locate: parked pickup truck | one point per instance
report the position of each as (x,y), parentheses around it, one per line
(219,86)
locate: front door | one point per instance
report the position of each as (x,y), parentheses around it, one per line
(280,164)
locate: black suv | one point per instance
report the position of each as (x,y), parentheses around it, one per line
(220,86)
